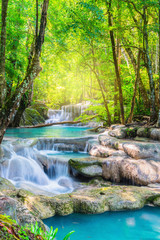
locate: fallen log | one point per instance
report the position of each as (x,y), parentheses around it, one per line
(60,123)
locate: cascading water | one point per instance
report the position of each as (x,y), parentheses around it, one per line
(37,168)
(67,113)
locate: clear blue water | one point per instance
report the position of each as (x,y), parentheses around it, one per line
(53,131)
(67,155)
(142,224)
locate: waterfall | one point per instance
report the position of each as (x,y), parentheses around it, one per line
(35,170)
(67,113)
(40,167)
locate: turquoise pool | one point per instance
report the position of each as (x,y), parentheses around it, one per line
(53,131)
(142,224)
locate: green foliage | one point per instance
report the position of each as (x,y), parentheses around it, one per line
(78,48)
(10,230)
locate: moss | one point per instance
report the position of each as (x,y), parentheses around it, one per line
(131,132)
(32,117)
(41,108)
(9,229)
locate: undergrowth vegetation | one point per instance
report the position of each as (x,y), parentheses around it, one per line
(10,230)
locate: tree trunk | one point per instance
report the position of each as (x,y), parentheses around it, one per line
(153,114)
(60,123)
(135,89)
(2,52)
(24,103)
(141,85)
(158,122)
(27,97)
(32,72)
(116,63)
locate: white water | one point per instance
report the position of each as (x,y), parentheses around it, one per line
(67,113)
(25,169)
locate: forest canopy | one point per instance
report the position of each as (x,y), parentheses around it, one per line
(106,52)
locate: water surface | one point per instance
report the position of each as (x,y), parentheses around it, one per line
(52,131)
(142,224)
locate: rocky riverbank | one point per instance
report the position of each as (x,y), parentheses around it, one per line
(97,196)
(122,155)
(122,173)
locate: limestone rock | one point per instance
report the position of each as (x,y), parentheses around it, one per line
(118,132)
(139,172)
(17,211)
(139,150)
(88,167)
(39,205)
(101,151)
(6,185)
(143,132)
(155,133)
(63,204)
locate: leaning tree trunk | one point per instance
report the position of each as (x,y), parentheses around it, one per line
(158,122)
(32,72)
(27,97)
(153,115)
(2,52)
(116,63)
(24,103)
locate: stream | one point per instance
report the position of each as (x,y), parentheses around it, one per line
(37,160)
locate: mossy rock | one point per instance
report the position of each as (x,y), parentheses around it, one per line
(88,167)
(41,108)
(31,117)
(131,132)
(143,132)
(6,185)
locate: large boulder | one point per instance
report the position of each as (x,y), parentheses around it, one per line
(114,198)
(118,132)
(41,108)
(103,152)
(155,133)
(17,211)
(134,149)
(6,186)
(143,132)
(31,117)
(133,171)
(141,150)
(88,167)
(39,205)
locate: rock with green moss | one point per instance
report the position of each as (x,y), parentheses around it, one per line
(143,132)
(113,198)
(31,117)
(63,204)
(6,185)
(38,205)
(41,108)
(88,167)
